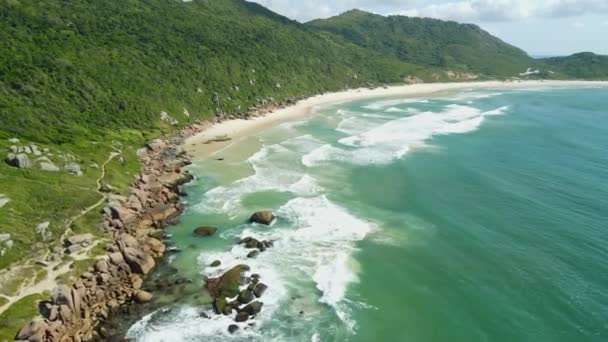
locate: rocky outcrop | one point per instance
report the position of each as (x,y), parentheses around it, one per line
(135,223)
(73,168)
(20,160)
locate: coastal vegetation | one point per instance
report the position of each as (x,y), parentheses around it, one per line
(91,82)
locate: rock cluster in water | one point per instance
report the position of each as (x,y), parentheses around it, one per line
(236,294)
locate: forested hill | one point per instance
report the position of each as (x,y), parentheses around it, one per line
(580,65)
(430,42)
(73,68)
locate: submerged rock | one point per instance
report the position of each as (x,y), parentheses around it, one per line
(205,231)
(232,328)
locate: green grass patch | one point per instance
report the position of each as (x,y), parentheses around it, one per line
(76,269)
(18,315)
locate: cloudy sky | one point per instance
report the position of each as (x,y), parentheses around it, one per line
(541,27)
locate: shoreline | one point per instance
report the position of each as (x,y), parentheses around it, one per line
(136,222)
(202,144)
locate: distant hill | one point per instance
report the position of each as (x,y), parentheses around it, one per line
(585,65)
(430,42)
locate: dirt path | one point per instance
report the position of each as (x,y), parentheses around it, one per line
(104,197)
(58,268)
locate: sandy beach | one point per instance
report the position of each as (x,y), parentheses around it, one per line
(235,130)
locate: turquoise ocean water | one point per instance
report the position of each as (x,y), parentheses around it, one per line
(467,216)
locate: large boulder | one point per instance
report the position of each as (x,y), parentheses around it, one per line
(34,331)
(260,289)
(20,160)
(262,217)
(82,239)
(227,285)
(118,212)
(205,231)
(157,145)
(139,261)
(142,296)
(241,317)
(46,164)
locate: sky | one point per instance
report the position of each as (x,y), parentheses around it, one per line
(540,27)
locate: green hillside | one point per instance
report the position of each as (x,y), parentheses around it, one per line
(429,42)
(71,68)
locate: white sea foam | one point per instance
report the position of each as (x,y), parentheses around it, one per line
(395,110)
(378,105)
(272,171)
(393,139)
(463,96)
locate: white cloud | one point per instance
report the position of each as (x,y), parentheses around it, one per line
(507,10)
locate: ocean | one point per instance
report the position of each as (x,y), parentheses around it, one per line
(475,215)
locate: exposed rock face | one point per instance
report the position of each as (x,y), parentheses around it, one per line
(43,230)
(73,168)
(46,164)
(205,231)
(262,217)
